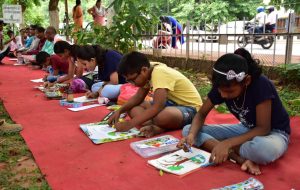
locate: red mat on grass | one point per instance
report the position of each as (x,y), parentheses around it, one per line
(70,160)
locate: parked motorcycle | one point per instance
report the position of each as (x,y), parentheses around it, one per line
(265,42)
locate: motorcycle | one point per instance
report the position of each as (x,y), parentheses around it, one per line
(265,42)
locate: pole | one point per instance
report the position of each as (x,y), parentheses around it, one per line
(67,20)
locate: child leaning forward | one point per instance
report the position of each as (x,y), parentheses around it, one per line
(175,98)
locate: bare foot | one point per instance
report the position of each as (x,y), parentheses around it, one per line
(251,167)
(151,130)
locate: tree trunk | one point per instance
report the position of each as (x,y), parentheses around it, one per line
(54,13)
(110,14)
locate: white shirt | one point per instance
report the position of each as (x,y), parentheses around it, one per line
(101,11)
(57,38)
(261,18)
(272,18)
(34,45)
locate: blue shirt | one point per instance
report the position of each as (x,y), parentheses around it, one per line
(28,41)
(258,91)
(174,23)
(111,63)
(48,47)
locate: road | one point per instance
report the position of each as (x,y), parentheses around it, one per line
(275,54)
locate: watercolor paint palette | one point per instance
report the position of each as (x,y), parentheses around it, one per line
(155,146)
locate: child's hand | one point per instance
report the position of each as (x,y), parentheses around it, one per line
(123,126)
(188,140)
(45,85)
(220,153)
(114,118)
(90,94)
(45,78)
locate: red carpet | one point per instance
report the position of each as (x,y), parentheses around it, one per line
(70,160)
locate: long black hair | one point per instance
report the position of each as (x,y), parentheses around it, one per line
(253,64)
(132,63)
(240,61)
(61,46)
(87,52)
(78,2)
(226,63)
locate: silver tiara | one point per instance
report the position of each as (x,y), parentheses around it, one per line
(232,75)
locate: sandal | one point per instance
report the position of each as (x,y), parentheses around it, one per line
(9,128)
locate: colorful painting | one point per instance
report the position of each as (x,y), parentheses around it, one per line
(181,162)
(102,133)
(249,184)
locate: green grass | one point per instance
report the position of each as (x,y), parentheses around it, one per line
(12,149)
(290,98)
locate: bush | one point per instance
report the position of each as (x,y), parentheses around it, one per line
(290,73)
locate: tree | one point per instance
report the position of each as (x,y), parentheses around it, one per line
(54,13)
(288,4)
(209,10)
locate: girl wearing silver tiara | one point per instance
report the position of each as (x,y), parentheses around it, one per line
(262,136)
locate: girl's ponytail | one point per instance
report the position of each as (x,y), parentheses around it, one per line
(253,64)
(100,56)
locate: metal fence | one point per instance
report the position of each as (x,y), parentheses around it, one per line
(210,41)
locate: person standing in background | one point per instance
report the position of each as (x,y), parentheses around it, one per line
(176,30)
(77,16)
(98,12)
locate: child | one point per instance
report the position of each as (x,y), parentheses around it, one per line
(4,46)
(14,44)
(57,65)
(107,61)
(175,99)
(262,136)
(92,58)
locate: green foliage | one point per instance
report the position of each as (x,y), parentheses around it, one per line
(288,4)
(213,11)
(131,18)
(13,150)
(290,99)
(291,72)
(35,17)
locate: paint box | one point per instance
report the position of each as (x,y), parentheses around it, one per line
(155,146)
(65,103)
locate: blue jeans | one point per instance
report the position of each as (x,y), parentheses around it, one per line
(109,91)
(3,54)
(187,112)
(261,149)
(52,78)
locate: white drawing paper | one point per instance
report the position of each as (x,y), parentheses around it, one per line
(102,133)
(84,99)
(37,80)
(181,162)
(84,107)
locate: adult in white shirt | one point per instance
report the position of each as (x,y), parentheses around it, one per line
(98,12)
(271,19)
(261,17)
